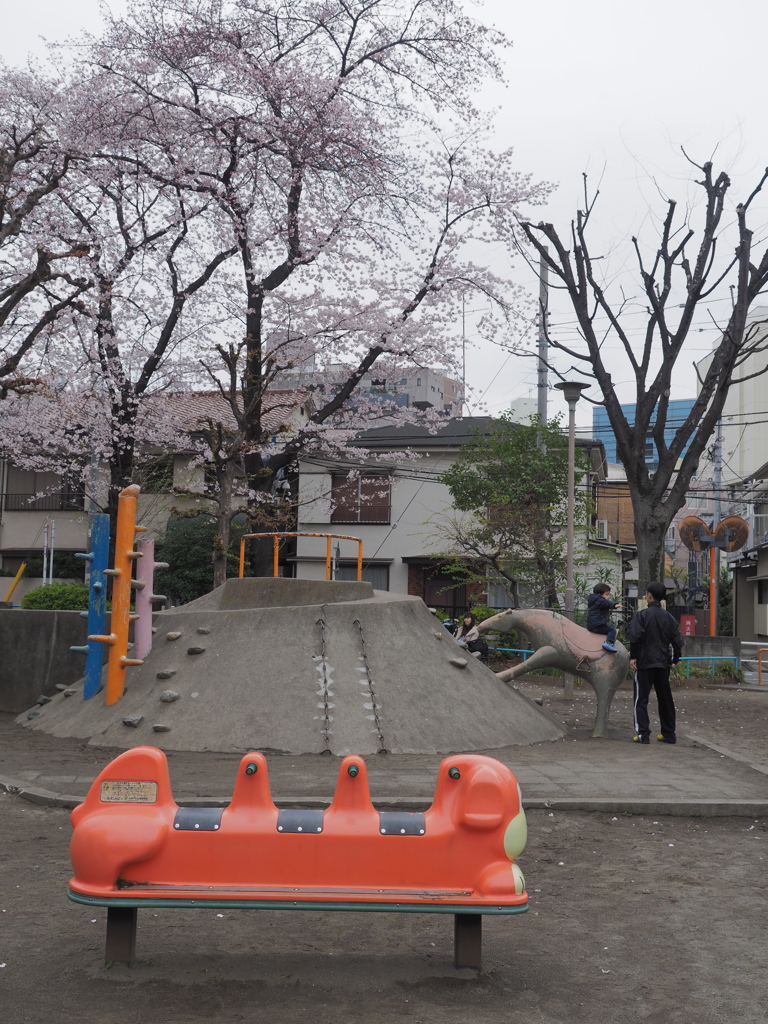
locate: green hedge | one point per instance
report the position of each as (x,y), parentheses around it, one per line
(58,597)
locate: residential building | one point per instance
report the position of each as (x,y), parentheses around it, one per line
(34,505)
(677,411)
(419,388)
(395,506)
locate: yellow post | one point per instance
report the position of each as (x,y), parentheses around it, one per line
(277,555)
(242,556)
(117,639)
(16,579)
(328,557)
(359,560)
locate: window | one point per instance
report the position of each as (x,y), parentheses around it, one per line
(650,450)
(433,387)
(361,499)
(697,500)
(376,575)
(498,594)
(762,591)
(418,382)
(156,475)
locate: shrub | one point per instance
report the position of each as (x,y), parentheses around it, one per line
(58,597)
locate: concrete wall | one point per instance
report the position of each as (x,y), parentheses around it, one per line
(35,654)
(712,647)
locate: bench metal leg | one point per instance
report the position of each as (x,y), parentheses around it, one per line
(121,935)
(468,940)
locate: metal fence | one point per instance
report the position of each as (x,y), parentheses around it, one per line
(62,501)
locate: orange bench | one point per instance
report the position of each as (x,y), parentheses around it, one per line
(133,847)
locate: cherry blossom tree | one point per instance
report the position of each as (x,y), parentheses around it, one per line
(338,148)
(41,276)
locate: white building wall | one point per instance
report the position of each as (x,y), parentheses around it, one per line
(417,502)
(745,437)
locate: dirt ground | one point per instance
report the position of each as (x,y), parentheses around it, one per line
(631,918)
(734,719)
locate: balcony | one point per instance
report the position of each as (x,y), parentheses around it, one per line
(61,501)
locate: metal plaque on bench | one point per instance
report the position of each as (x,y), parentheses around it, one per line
(128,791)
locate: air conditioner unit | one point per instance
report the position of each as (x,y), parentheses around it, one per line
(601,529)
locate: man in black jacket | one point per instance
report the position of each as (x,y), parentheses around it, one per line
(654,644)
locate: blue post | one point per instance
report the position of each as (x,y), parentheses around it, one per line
(97,604)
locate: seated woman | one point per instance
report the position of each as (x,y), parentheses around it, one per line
(468,635)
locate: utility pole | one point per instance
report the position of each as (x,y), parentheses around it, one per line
(542,346)
(717,480)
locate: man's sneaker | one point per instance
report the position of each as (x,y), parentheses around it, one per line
(641,739)
(666,739)
(609,647)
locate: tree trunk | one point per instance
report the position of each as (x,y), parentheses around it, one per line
(223,522)
(650,532)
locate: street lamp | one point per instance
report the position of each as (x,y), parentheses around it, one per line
(571,389)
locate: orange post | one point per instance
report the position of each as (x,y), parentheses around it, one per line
(328,558)
(121,574)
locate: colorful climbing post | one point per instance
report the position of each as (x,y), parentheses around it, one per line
(117,638)
(142,630)
(98,556)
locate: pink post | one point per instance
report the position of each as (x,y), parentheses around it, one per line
(142,630)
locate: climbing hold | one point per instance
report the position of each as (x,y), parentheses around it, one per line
(161,728)
(459,662)
(32,714)
(70,691)
(172,636)
(133,720)
(438,636)
(195,650)
(166,673)
(42,699)
(203,630)
(169,696)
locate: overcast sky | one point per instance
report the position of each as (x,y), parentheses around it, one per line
(602,86)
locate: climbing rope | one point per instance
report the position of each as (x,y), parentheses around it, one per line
(324,689)
(374,702)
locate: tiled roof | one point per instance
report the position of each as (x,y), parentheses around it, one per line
(281,408)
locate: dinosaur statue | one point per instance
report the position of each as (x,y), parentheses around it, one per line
(560,643)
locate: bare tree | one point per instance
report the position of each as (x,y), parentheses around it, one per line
(686,271)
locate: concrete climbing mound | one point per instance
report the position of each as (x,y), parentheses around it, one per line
(303,666)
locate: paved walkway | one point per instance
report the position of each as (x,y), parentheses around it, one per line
(691,778)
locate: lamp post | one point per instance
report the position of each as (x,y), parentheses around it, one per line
(571,389)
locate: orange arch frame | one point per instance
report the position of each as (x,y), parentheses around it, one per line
(328,536)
